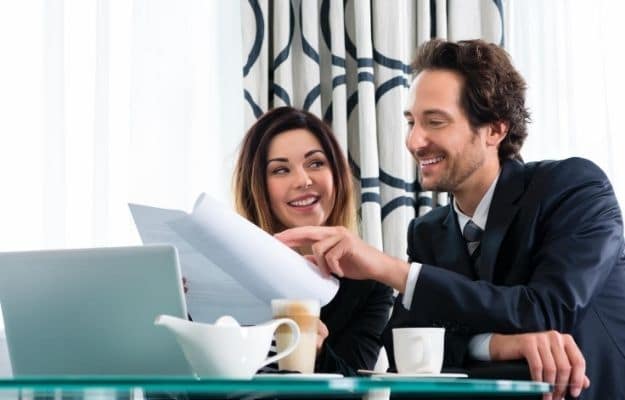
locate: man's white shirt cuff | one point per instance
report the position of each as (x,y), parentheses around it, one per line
(411,282)
(479,346)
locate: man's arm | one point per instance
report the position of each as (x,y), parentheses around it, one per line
(578,251)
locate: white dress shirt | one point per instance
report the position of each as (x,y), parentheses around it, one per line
(479,345)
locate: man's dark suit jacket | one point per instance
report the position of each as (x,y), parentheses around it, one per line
(552,258)
(355,318)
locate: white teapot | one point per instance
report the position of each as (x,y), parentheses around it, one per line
(225,349)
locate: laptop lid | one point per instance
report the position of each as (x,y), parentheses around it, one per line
(91,311)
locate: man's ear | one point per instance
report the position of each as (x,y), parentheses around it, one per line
(496,133)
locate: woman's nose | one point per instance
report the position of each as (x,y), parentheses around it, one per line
(303,179)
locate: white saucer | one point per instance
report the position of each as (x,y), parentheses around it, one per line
(297,376)
(395,375)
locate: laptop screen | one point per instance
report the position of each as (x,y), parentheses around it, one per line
(92,311)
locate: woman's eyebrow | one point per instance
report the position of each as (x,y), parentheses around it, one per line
(308,154)
(311,152)
(278,159)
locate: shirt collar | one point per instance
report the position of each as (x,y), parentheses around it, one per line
(481,211)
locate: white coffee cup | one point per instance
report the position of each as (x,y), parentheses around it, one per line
(305,313)
(419,350)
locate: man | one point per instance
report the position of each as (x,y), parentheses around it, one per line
(543,248)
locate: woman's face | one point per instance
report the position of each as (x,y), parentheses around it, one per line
(299,179)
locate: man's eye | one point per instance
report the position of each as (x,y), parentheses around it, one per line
(435,122)
(410,123)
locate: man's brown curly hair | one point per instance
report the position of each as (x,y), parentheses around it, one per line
(493,90)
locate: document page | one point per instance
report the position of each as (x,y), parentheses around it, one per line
(212,293)
(232,266)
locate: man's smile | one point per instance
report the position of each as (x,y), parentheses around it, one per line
(424,162)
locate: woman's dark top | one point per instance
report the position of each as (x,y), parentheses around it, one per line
(355,319)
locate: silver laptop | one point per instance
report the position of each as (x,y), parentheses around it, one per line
(91,311)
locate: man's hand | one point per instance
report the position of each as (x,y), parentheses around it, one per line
(552,357)
(337,250)
(322,334)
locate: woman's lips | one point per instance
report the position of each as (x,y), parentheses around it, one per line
(304,203)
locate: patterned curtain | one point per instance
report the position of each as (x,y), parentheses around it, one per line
(347,61)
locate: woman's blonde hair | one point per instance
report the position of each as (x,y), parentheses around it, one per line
(250,175)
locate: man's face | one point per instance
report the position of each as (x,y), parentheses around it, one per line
(447,150)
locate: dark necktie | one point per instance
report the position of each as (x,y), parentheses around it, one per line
(473,235)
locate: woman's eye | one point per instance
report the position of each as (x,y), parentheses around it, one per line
(279,171)
(410,123)
(316,164)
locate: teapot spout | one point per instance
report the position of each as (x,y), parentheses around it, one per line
(177,325)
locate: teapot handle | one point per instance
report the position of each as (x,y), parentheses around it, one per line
(294,329)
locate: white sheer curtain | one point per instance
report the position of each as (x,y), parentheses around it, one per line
(105,102)
(570,52)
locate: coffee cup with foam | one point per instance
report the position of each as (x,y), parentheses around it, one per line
(305,313)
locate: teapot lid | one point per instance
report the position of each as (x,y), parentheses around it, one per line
(226,320)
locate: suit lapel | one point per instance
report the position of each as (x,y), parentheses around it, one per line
(451,250)
(502,211)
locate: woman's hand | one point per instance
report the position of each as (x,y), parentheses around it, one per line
(552,357)
(322,334)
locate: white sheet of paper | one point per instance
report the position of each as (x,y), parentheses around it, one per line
(255,259)
(212,292)
(232,266)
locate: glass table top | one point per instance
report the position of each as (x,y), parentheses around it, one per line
(276,386)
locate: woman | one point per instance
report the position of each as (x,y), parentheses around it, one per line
(291,172)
